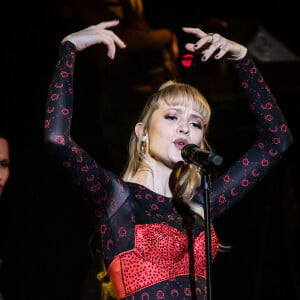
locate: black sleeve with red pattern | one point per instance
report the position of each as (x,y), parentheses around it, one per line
(96,183)
(274,138)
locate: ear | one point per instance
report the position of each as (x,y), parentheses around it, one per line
(138,130)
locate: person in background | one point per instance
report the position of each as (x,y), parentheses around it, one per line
(4,162)
(4,173)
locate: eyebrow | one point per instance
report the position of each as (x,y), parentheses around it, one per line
(179,110)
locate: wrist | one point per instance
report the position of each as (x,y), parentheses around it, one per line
(66,42)
(238,56)
(65,39)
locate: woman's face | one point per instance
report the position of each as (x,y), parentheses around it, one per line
(4,163)
(170,129)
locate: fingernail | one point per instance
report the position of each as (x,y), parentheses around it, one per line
(203,58)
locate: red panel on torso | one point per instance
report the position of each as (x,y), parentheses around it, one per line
(161,252)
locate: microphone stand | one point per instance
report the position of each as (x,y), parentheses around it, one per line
(205,184)
(206,161)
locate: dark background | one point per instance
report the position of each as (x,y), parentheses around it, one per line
(46,226)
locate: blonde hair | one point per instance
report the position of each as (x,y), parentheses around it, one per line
(185,177)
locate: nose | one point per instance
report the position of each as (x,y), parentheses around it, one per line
(183,128)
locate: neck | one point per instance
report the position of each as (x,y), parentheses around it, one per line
(154,176)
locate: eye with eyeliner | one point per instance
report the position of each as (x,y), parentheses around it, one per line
(170,117)
(197,125)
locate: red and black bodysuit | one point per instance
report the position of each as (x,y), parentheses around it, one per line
(148,250)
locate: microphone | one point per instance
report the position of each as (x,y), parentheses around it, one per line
(192,154)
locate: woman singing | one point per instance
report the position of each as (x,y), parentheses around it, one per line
(151,219)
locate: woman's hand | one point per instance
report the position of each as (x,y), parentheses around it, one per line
(214,45)
(97,34)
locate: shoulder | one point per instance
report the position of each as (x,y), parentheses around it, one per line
(116,191)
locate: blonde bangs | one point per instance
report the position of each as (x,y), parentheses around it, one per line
(182,94)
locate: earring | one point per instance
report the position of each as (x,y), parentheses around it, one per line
(144,146)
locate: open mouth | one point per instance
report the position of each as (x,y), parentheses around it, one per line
(180,143)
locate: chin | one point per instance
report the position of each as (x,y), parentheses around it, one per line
(176,159)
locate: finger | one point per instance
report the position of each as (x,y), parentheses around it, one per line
(111,50)
(222,45)
(107,39)
(190,47)
(206,40)
(108,24)
(118,41)
(222,52)
(114,38)
(212,48)
(196,31)
(218,43)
